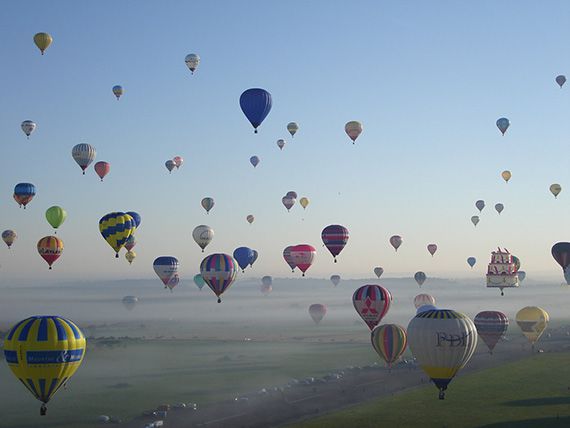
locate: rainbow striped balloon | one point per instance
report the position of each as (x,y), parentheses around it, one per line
(219,271)
(389,341)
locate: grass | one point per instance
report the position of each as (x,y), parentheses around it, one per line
(533,392)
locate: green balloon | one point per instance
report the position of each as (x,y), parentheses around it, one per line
(199,281)
(55,216)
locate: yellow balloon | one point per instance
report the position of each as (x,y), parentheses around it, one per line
(506,175)
(42,41)
(532,320)
(44,352)
(130,256)
(304,202)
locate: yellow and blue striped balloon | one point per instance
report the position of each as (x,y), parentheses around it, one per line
(116,228)
(44,352)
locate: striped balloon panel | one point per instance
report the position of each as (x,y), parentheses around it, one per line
(44,352)
(335,238)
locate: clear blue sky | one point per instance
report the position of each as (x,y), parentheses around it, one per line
(427,80)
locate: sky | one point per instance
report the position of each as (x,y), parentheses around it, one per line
(427,80)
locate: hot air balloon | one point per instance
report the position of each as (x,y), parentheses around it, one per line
(173,282)
(42,41)
(192,62)
(44,352)
(267,280)
(502,271)
(442,341)
(561,80)
(199,281)
(244,256)
(130,256)
(130,242)
(522,275)
(170,165)
(292,194)
(424,299)
(288,259)
(102,168)
(378,271)
(532,320)
(517,262)
(389,341)
(208,204)
(432,248)
(203,235)
(317,312)
(475,220)
(561,253)
(292,127)
(256,105)
(471,261)
(499,208)
(288,202)
(24,193)
(136,217)
(372,303)
(9,236)
(506,175)
(118,91)
(396,241)
(116,227)
(491,326)
(335,279)
(255,256)
(304,202)
(555,189)
(254,160)
(178,161)
(50,248)
(219,272)
(303,255)
(353,129)
(266,289)
(130,302)
(83,154)
(55,216)
(166,267)
(420,278)
(250,218)
(28,127)
(503,124)
(480,204)
(335,238)
(280,144)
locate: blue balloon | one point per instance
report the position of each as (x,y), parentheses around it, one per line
(244,256)
(256,105)
(255,256)
(25,189)
(136,217)
(471,261)
(503,124)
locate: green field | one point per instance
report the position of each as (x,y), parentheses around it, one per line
(533,392)
(135,375)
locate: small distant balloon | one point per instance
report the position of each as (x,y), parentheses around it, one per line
(118,91)
(43,41)
(522,275)
(24,193)
(199,281)
(130,256)
(317,312)
(471,261)
(561,80)
(555,189)
(254,160)
(9,236)
(178,161)
(130,302)
(256,105)
(166,267)
(353,129)
(506,175)
(378,271)
(480,204)
(244,256)
(335,238)
(203,235)
(423,299)
(475,220)
(255,256)
(281,144)
(292,127)
(170,165)
(432,248)
(420,278)
(136,217)
(250,219)
(102,168)
(335,279)
(499,208)
(304,202)
(83,154)
(503,124)
(292,194)
(28,127)
(288,202)
(192,62)
(207,204)
(396,241)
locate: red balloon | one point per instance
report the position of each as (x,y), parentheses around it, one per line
(303,255)
(102,168)
(491,326)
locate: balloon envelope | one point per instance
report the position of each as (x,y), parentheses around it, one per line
(442,341)
(102,168)
(203,235)
(499,208)
(372,303)
(281,144)
(396,241)
(304,202)
(292,127)
(55,216)
(288,259)
(130,256)
(28,127)
(389,341)
(503,124)
(50,248)
(480,204)
(303,255)
(475,220)
(254,160)
(244,256)
(256,105)
(471,261)
(317,311)
(130,302)
(178,161)
(335,238)
(532,320)
(199,281)
(353,129)
(424,299)
(24,193)
(166,267)
(136,218)
(130,242)
(192,62)
(84,154)
(9,236)
(506,175)
(420,278)
(335,279)
(219,271)
(118,91)
(170,165)
(116,227)
(42,41)
(561,80)
(378,271)
(207,204)
(288,202)
(491,326)
(432,248)
(555,189)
